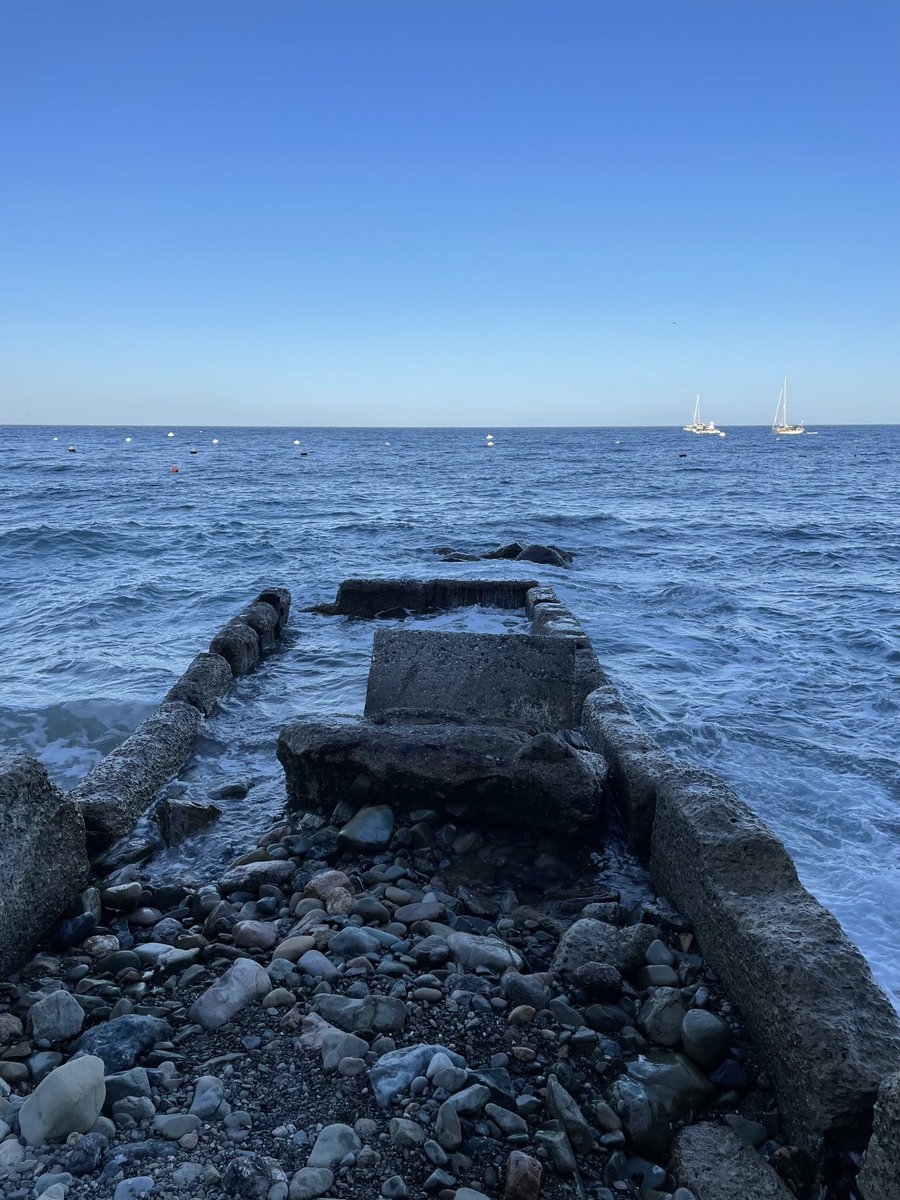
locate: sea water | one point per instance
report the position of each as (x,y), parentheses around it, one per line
(742,592)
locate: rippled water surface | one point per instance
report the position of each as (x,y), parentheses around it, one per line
(742,592)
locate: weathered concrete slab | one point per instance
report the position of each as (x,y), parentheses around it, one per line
(826,1031)
(203,684)
(114,793)
(238,644)
(879,1178)
(637,763)
(497,773)
(43,860)
(481,678)
(280,599)
(372,597)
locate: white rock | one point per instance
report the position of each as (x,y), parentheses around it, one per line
(244,981)
(68,1100)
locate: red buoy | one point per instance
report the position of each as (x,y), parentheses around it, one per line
(174,470)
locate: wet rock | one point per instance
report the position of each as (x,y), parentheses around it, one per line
(705,1037)
(716,1165)
(550,556)
(67,1101)
(661,1016)
(251,1177)
(57,1017)
(243,982)
(181,819)
(674,1080)
(332,1144)
(564,1109)
(119,1042)
(369,831)
(238,644)
(552,1138)
(390,1077)
(643,1117)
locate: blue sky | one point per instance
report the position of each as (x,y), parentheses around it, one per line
(440,212)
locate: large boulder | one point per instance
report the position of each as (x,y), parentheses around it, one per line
(43,859)
(121,786)
(494,773)
(714,1164)
(485,678)
(238,644)
(826,1031)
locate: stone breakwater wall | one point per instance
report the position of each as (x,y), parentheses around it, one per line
(47,838)
(825,1030)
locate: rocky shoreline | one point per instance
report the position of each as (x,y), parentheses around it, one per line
(340,1015)
(454,969)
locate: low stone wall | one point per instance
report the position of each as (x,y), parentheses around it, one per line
(121,786)
(827,1033)
(43,857)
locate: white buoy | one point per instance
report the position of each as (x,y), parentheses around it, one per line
(56,439)
(296,441)
(215,441)
(128,439)
(170,435)
(71,450)
(387,443)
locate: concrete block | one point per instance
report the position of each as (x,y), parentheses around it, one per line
(826,1031)
(121,786)
(482,678)
(43,859)
(238,644)
(205,681)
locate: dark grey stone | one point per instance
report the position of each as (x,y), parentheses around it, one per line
(43,859)
(180,819)
(119,1042)
(879,1178)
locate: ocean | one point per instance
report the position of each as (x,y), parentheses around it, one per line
(742,592)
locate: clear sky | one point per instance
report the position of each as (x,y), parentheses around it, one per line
(440,212)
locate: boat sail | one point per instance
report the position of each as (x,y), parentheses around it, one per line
(697,426)
(780,424)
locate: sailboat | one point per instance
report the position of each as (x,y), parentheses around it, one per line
(780,424)
(697,426)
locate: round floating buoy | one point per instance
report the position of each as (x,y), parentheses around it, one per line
(71,449)
(215,441)
(387,443)
(128,439)
(682,455)
(56,439)
(193,452)
(170,435)
(174,470)
(296,441)
(304,454)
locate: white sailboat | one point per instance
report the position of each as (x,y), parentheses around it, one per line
(780,424)
(697,426)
